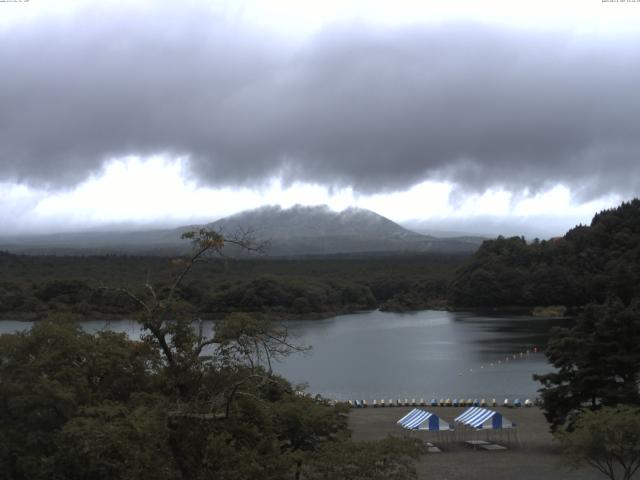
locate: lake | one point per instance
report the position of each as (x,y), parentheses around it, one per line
(422,354)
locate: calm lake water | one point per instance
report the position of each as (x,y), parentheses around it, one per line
(414,355)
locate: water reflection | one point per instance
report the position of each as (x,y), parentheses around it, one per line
(422,354)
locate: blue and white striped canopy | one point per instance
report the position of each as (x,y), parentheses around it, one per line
(418,419)
(482,418)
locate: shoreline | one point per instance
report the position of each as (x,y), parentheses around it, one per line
(286,316)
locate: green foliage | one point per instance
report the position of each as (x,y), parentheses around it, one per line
(114,440)
(300,295)
(305,424)
(75,406)
(11,297)
(64,291)
(32,287)
(607,439)
(48,375)
(587,265)
(597,362)
(111,302)
(390,459)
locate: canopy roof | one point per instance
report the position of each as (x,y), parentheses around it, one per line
(418,419)
(482,418)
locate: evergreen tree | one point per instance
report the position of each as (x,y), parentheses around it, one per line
(597,362)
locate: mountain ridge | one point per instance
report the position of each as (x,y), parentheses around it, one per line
(298,230)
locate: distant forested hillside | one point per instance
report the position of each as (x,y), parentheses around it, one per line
(296,231)
(587,265)
(37,286)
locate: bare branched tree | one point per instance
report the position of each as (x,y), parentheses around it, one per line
(238,341)
(256,343)
(159,315)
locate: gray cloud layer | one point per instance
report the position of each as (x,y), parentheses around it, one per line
(375,109)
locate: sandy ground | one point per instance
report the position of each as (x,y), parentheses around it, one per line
(531,455)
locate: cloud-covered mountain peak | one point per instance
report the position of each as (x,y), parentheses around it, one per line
(274,222)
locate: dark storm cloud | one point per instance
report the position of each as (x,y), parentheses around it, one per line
(375,109)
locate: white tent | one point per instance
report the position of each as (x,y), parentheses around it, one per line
(418,419)
(482,418)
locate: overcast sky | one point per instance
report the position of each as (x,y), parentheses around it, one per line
(489,117)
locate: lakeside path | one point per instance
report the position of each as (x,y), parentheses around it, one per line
(536,458)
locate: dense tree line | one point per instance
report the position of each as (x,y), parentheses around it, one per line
(587,265)
(37,286)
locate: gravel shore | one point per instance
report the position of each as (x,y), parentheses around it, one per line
(530,455)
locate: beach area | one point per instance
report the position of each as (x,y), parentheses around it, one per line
(530,455)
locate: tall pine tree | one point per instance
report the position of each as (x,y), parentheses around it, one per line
(597,362)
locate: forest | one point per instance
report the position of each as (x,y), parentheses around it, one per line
(587,265)
(33,287)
